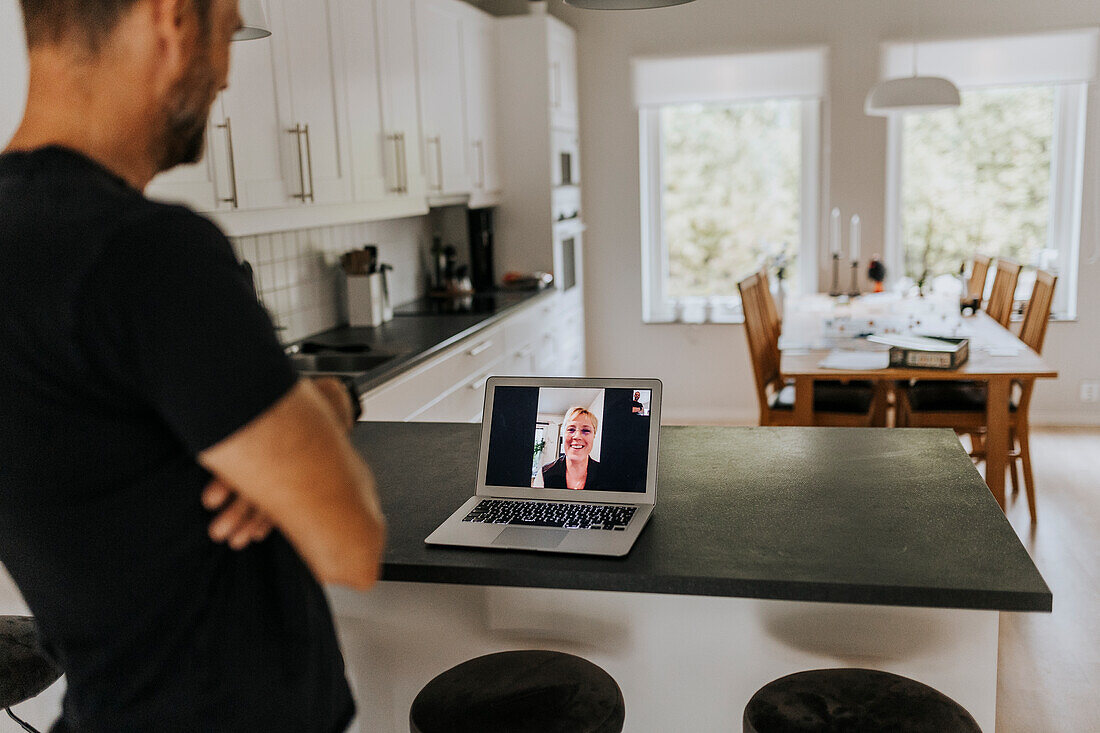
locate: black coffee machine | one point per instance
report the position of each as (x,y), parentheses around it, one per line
(480,228)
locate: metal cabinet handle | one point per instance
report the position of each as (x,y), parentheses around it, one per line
(480,348)
(403,170)
(438,142)
(479,383)
(480,147)
(396,140)
(309,163)
(525,351)
(296,131)
(232,163)
(555,99)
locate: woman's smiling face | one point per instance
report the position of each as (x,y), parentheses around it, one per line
(578,435)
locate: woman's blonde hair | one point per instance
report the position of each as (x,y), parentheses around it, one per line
(572,412)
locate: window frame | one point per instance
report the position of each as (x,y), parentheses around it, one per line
(1066,190)
(657,305)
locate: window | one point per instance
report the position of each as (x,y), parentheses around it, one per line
(729,163)
(1001,174)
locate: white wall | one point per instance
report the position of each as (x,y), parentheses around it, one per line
(705,368)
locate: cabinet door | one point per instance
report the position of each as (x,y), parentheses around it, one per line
(13,70)
(563,78)
(248,135)
(355,44)
(311,109)
(440,62)
(479,39)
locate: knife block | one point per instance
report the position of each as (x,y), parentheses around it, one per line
(368,304)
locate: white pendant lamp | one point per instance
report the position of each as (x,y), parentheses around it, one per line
(253,21)
(911,94)
(623,4)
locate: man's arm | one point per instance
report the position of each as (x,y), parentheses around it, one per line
(295,465)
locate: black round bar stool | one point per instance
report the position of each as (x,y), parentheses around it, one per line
(520,692)
(25,670)
(856,701)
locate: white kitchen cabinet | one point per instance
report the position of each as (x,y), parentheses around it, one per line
(563,77)
(479,45)
(312,109)
(400,104)
(13,69)
(440,62)
(373,41)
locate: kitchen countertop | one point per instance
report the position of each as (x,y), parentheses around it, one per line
(844,515)
(415,338)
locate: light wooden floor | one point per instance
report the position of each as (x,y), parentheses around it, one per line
(1049,666)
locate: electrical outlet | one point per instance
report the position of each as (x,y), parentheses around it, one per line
(1090,390)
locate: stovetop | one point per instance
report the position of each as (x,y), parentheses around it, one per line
(478,303)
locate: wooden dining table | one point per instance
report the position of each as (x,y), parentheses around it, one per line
(816,327)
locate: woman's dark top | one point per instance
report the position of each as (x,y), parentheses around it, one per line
(553,474)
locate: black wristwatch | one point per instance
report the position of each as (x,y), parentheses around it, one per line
(356,406)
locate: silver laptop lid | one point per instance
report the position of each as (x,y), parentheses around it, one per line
(533,426)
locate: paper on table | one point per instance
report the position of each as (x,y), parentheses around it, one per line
(855,360)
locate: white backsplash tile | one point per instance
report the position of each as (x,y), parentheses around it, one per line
(299,278)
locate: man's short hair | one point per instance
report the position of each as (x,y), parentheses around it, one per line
(88,22)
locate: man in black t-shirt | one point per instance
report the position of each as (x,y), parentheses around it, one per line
(152,432)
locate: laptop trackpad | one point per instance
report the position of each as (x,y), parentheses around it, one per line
(542,539)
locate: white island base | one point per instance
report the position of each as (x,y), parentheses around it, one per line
(684,663)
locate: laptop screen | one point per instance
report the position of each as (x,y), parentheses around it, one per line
(595,439)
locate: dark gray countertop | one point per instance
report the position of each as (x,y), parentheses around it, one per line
(845,515)
(415,338)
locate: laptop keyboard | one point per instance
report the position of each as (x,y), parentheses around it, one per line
(552,514)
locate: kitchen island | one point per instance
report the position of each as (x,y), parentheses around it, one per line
(771,550)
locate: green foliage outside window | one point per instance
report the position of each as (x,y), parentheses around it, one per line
(731,197)
(977,179)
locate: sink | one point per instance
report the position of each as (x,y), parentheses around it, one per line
(345,363)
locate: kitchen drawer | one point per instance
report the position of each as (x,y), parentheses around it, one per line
(463,403)
(410,393)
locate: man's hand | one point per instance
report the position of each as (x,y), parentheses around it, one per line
(239,522)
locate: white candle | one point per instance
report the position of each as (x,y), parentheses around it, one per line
(834,238)
(853,237)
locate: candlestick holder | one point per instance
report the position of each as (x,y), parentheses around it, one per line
(835,289)
(855,279)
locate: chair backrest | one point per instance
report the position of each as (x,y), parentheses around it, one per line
(771,312)
(762,337)
(999,306)
(1034,329)
(979,270)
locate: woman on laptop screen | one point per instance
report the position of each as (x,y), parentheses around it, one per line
(575,469)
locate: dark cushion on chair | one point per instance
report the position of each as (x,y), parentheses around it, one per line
(831,396)
(863,700)
(948,396)
(520,692)
(25,670)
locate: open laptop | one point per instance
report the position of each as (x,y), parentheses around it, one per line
(565,465)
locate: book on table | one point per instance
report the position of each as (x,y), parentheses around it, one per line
(925,352)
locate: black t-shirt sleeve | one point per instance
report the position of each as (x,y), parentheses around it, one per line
(172,317)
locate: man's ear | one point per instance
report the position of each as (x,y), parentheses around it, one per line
(175,27)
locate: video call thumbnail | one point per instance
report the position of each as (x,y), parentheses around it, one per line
(569,438)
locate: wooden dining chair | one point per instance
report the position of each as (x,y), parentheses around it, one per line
(979,271)
(838,404)
(961,404)
(999,305)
